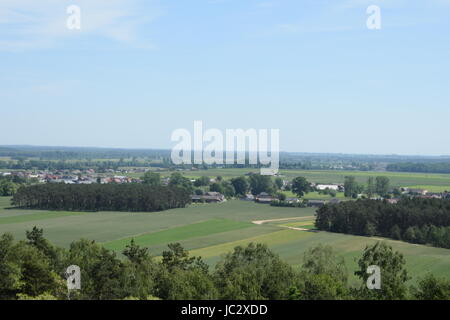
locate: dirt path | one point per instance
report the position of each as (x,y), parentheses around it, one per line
(282,219)
(296,228)
(393,240)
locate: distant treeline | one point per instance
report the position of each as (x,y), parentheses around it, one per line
(66,153)
(440,167)
(101,197)
(98,165)
(424,221)
(57,158)
(21,163)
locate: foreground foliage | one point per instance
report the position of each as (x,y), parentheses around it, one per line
(35,269)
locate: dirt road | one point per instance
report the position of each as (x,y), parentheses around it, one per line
(282,219)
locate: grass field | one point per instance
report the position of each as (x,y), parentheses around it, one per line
(194,230)
(212,230)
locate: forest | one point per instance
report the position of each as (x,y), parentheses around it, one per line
(416,220)
(101,197)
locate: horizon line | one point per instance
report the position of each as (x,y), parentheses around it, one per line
(292,152)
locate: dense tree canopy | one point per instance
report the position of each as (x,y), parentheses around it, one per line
(101,197)
(300,186)
(424,221)
(151,178)
(254,272)
(351,187)
(241,185)
(323,276)
(261,183)
(382,185)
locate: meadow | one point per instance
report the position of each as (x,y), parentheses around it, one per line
(212,230)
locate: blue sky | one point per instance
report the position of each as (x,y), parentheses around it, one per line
(137,70)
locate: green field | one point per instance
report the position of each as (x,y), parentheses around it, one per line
(212,230)
(194,230)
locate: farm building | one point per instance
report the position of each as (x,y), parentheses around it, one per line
(417,191)
(264,197)
(334,201)
(328,186)
(248,197)
(209,197)
(316,203)
(292,200)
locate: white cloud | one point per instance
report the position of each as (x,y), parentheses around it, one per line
(27,24)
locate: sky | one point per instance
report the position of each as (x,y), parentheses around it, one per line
(137,70)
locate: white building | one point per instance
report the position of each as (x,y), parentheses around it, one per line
(327,186)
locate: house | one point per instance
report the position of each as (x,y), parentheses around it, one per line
(248,197)
(264,197)
(316,203)
(85,181)
(334,201)
(393,201)
(209,197)
(292,200)
(417,191)
(434,195)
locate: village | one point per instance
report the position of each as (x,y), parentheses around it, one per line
(332,193)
